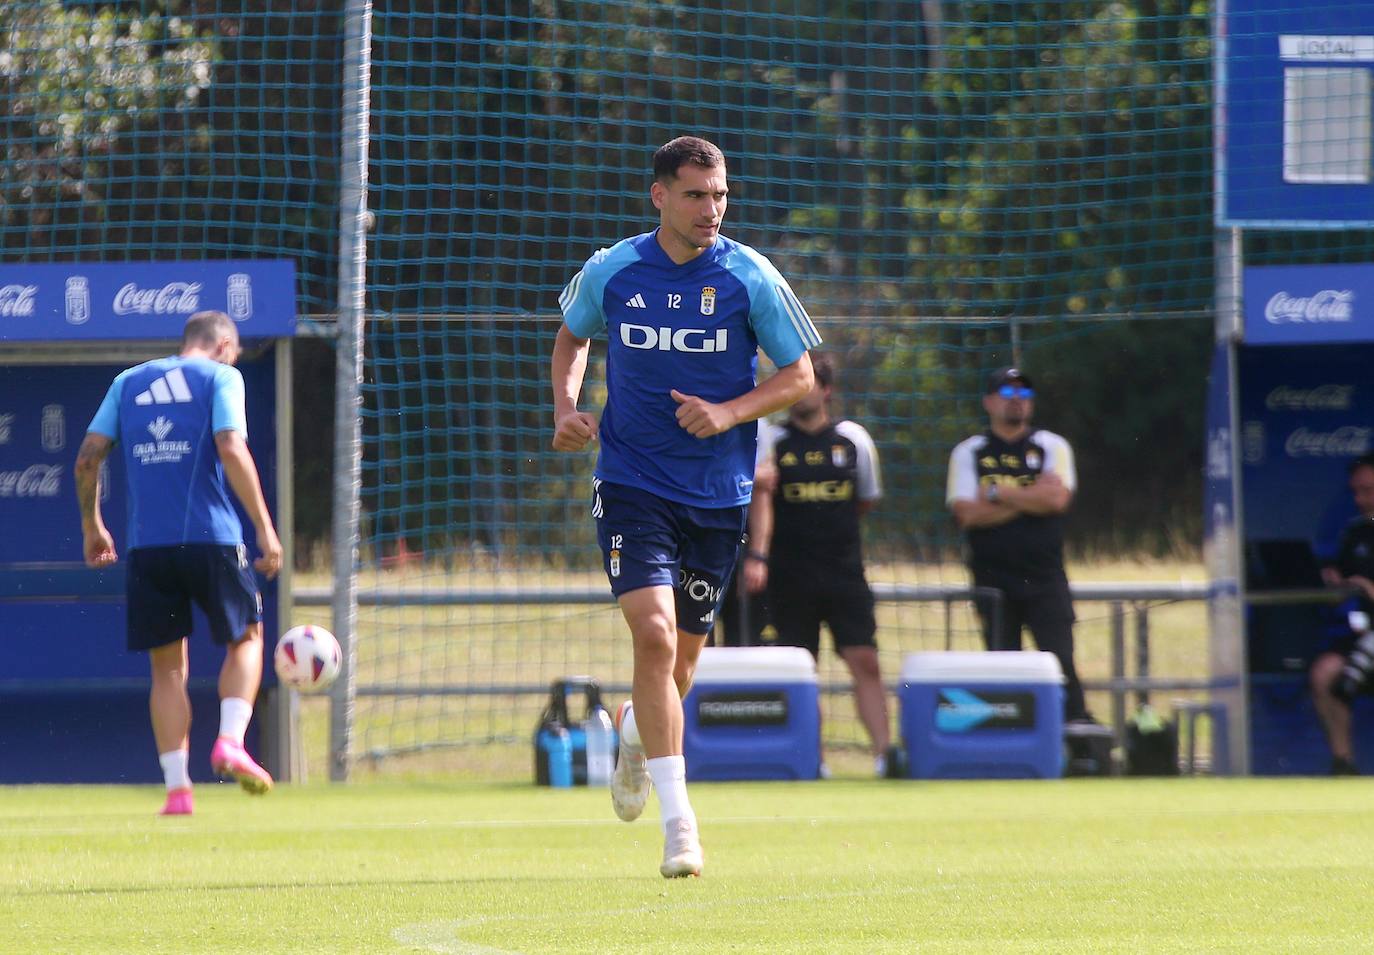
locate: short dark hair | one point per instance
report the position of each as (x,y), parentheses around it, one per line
(685,151)
(207,328)
(1363,461)
(824,367)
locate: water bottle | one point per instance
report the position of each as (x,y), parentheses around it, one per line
(601,744)
(553,755)
(553,750)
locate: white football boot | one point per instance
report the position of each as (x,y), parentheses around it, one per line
(630,781)
(681,850)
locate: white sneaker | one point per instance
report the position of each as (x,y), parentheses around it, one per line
(630,781)
(681,850)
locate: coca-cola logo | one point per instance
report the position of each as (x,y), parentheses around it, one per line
(174,298)
(17,301)
(1347,442)
(1321,398)
(37,480)
(1328,305)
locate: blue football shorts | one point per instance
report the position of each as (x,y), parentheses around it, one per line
(164,581)
(648,541)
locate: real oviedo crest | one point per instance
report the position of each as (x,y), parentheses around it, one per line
(708,301)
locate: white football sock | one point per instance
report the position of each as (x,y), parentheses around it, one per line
(234,714)
(629,729)
(174,769)
(669,774)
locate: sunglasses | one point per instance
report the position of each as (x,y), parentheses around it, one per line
(1012,391)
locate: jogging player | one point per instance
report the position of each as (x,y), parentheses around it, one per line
(685,311)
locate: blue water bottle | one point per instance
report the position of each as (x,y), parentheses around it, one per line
(553,755)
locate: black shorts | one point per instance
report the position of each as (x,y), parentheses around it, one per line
(163,582)
(648,541)
(801,600)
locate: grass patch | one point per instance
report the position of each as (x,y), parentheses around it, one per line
(1091,866)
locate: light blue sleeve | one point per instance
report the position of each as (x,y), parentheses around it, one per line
(229,411)
(581,298)
(106,420)
(784,330)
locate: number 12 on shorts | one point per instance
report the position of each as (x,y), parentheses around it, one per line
(616,540)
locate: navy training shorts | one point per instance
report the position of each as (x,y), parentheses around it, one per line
(648,541)
(164,581)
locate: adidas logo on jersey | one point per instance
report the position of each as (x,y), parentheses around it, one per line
(171,388)
(637,301)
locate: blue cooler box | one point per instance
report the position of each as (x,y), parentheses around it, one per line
(753,713)
(983,715)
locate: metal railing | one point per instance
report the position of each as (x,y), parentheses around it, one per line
(1123,599)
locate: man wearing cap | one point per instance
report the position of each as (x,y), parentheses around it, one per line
(1009,488)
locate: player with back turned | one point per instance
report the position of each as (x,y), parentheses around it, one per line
(182,425)
(685,311)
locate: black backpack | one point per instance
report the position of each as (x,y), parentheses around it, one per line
(1151,744)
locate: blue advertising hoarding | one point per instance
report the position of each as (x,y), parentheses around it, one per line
(1309,304)
(1294,144)
(73,699)
(108,301)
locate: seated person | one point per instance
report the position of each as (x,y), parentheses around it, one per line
(1342,670)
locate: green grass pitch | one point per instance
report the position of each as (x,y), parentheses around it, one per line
(1182,865)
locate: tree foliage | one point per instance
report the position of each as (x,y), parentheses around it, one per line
(926,183)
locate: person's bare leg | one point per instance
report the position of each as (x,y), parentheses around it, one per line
(170,709)
(652,616)
(239,679)
(870,698)
(1333,712)
(689,646)
(168,703)
(241,674)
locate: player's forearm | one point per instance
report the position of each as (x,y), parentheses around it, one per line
(761,523)
(242,474)
(1038,499)
(88,495)
(778,392)
(568,369)
(976,514)
(87,472)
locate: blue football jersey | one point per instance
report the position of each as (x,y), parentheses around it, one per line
(697,328)
(164,415)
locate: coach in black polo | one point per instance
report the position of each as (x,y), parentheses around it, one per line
(1009,488)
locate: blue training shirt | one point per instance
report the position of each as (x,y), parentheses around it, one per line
(165,414)
(697,328)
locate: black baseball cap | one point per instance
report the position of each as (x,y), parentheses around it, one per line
(1006,375)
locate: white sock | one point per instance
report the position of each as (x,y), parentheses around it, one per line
(234,714)
(669,774)
(174,769)
(629,729)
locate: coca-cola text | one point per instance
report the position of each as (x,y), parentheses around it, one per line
(17,301)
(37,480)
(1328,305)
(1347,442)
(174,298)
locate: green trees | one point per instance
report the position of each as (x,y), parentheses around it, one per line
(927,174)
